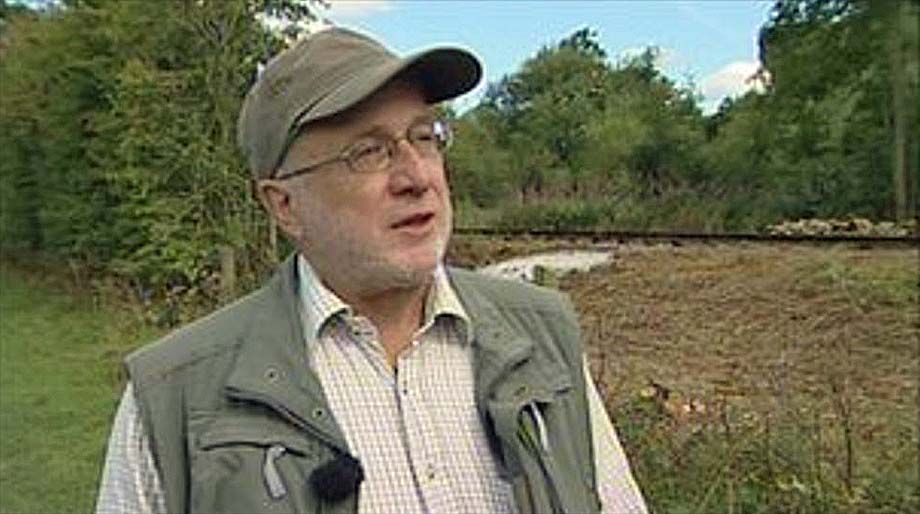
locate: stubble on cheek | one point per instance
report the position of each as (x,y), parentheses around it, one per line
(358,254)
(361,262)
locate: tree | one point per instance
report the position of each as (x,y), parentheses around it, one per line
(119,125)
(575,132)
(544,110)
(903,48)
(832,105)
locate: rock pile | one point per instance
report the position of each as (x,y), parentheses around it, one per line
(844,227)
(537,268)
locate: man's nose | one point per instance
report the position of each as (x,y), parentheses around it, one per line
(410,173)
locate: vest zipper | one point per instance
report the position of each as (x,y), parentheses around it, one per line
(538,446)
(288,415)
(273,482)
(541,425)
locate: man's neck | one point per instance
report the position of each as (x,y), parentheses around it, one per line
(396,313)
(397,316)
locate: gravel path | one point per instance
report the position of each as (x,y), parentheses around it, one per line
(522,268)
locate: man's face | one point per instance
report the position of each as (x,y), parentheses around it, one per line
(375,231)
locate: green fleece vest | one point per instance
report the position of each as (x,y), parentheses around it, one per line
(222,395)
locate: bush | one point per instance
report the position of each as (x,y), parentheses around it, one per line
(728,459)
(557,215)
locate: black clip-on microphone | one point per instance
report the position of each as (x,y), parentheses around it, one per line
(337,479)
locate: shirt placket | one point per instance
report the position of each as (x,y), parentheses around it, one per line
(424,441)
(370,369)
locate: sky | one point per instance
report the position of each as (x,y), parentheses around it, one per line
(712,43)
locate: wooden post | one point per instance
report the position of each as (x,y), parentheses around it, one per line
(227,273)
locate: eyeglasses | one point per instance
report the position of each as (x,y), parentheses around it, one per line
(376,153)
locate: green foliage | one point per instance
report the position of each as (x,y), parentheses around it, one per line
(569,125)
(117,142)
(829,105)
(731,460)
(478,167)
(558,215)
(118,132)
(814,140)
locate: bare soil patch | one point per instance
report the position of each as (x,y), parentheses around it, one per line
(750,320)
(756,343)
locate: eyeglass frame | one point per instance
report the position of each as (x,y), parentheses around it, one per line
(444,138)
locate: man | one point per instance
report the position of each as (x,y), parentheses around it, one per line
(365,376)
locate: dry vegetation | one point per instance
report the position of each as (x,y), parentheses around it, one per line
(749,321)
(756,378)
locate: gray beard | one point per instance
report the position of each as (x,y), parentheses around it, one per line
(363,275)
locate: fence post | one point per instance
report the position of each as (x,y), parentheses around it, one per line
(227,273)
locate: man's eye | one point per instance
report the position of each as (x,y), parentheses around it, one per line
(424,133)
(368,149)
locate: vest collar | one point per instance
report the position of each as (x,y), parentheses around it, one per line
(272,367)
(505,351)
(499,347)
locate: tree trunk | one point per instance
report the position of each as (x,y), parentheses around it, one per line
(904,66)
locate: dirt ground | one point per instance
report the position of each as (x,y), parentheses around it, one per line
(734,320)
(754,324)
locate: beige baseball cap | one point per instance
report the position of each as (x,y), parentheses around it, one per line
(326,74)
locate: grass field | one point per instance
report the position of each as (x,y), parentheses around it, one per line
(59,381)
(743,379)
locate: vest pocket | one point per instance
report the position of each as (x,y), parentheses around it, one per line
(517,412)
(245,465)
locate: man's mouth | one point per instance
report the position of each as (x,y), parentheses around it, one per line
(414,221)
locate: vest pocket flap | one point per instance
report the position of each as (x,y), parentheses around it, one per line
(241,462)
(215,431)
(558,384)
(542,388)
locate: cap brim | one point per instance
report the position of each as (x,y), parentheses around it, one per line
(440,73)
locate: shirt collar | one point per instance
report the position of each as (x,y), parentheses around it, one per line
(321,305)
(443,301)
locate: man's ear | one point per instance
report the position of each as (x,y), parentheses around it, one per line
(275,198)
